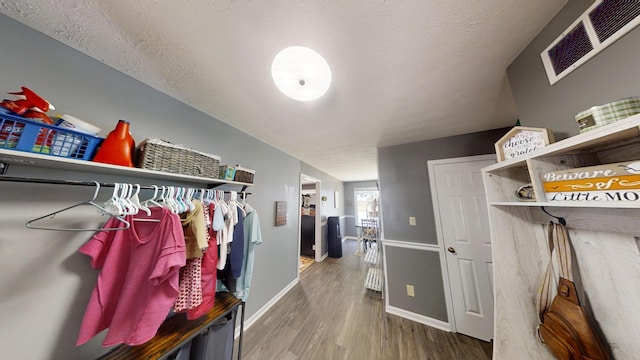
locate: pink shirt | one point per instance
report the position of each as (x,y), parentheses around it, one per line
(139,279)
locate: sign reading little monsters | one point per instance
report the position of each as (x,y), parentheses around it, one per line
(610,182)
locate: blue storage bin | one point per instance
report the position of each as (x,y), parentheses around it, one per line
(18,133)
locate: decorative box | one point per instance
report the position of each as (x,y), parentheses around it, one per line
(227,172)
(244,175)
(598,116)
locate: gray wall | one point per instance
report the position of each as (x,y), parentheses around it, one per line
(404,182)
(404,192)
(45,283)
(427,281)
(610,75)
(350,205)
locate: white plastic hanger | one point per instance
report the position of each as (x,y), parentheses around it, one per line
(135,200)
(125,198)
(102,210)
(153,200)
(113,205)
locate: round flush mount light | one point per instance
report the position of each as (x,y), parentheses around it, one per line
(301,73)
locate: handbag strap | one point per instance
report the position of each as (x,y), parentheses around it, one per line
(560,248)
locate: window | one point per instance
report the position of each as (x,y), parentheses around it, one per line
(367,204)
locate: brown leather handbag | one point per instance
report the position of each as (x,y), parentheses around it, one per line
(564,326)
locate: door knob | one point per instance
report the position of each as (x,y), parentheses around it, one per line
(451,250)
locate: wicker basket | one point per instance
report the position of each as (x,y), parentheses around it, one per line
(155,154)
(244,175)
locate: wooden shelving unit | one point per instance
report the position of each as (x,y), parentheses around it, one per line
(603,234)
(176,331)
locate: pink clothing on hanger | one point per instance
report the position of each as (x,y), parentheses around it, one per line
(209,271)
(138,282)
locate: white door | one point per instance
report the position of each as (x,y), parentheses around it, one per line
(463,223)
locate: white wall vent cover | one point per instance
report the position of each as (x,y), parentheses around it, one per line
(600,26)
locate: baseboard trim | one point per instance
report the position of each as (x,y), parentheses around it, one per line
(435,323)
(248,322)
(349,238)
(411,245)
(324,257)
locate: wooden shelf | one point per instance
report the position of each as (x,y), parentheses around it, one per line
(175,332)
(613,133)
(373,280)
(603,236)
(371,256)
(568,204)
(48,161)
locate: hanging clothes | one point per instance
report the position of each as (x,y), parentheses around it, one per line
(138,281)
(195,234)
(224,234)
(194,231)
(252,237)
(209,262)
(237,246)
(190,288)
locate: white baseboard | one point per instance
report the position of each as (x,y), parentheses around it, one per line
(435,323)
(248,322)
(324,257)
(349,238)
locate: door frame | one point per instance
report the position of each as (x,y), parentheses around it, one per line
(431,164)
(318,219)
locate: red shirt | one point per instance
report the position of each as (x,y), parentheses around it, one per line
(139,279)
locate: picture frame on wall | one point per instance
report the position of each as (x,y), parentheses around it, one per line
(522,140)
(281,213)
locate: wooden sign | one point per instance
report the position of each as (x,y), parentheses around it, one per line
(522,140)
(619,182)
(281,213)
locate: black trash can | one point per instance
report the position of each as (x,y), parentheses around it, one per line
(335,239)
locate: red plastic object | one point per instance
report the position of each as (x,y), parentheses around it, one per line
(31,100)
(118,147)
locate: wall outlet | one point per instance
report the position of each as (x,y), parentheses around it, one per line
(412,220)
(410,291)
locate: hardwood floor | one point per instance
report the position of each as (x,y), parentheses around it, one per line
(329,315)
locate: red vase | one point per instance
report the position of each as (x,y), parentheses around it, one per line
(118,147)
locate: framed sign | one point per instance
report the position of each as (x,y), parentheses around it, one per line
(522,140)
(281,213)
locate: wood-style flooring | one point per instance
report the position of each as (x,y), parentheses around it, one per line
(330,316)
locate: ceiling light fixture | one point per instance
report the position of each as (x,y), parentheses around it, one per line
(301,73)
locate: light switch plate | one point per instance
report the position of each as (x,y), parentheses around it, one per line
(410,291)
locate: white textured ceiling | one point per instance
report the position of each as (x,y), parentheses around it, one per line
(403,70)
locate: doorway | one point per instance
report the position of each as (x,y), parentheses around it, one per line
(366,204)
(462,226)
(310,224)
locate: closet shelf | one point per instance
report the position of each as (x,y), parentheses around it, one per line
(47,161)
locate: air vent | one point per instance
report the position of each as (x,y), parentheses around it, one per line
(598,27)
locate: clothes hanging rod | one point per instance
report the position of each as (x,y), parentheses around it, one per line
(89,183)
